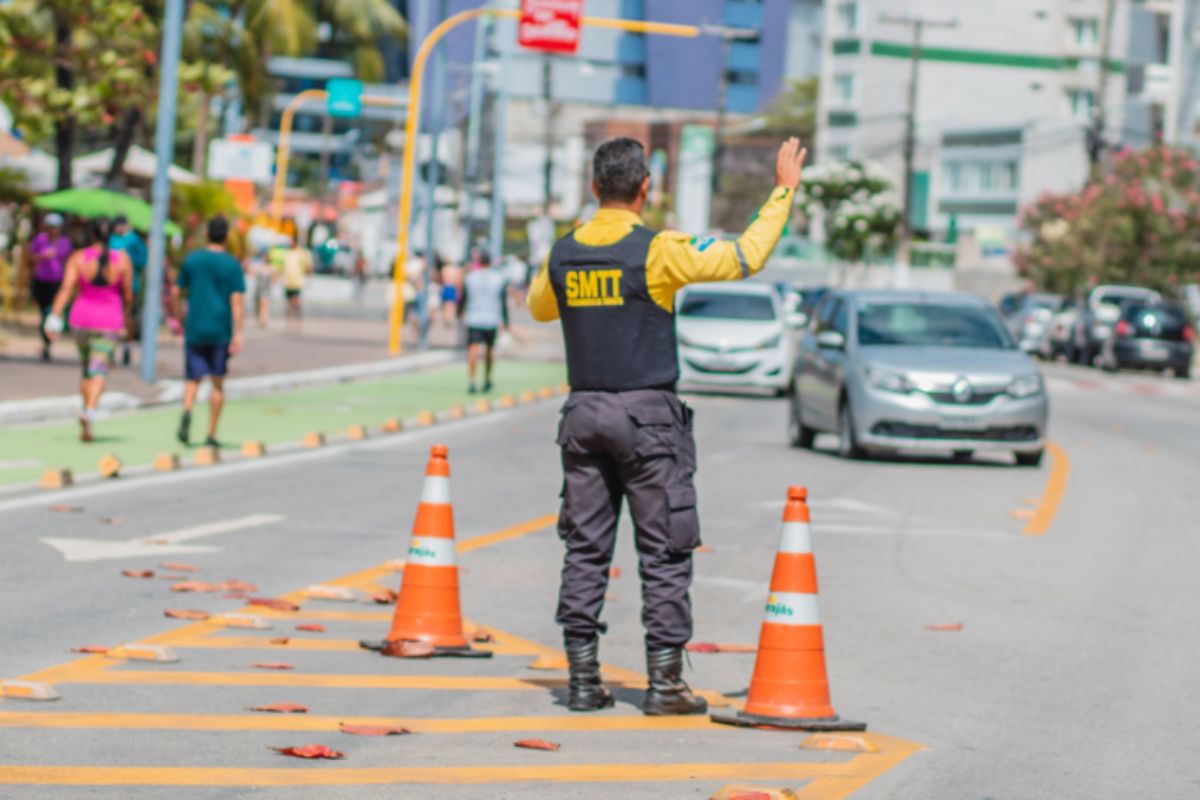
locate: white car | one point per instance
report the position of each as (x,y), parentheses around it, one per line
(733,335)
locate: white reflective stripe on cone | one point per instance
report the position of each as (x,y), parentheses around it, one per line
(792,608)
(431,551)
(436,490)
(795,538)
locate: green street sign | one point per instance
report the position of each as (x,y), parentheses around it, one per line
(344,97)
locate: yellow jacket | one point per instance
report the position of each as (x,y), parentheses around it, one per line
(676,259)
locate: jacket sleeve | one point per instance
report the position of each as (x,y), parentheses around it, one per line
(676,259)
(543,305)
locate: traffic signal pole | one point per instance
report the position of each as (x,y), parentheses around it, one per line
(412,124)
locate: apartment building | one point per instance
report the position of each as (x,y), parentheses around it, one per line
(1007,91)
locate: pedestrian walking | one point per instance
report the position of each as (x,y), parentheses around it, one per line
(263,275)
(297,266)
(126,239)
(484,311)
(100,282)
(49,252)
(212,332)
(624,433)
(452,283)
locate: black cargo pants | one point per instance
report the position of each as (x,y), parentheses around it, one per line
(636,445)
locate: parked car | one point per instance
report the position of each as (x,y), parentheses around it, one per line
(1151,336)
(923,371)
(1030,317)
(1098,315)
(1056,337)
(734,335)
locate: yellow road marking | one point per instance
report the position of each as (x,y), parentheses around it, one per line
(573,773)
(343,645)
(863,769)
(515,532)
(328,681)
(305,615)
(1056,484)
(314,723)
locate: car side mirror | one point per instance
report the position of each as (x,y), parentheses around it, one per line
(831,340)
(797,319)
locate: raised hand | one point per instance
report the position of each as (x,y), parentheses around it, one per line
(789,163)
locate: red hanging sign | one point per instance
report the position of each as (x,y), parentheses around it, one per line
(550,25)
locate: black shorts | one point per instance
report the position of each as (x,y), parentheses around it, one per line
(290,293)
(484,336)
(200,359)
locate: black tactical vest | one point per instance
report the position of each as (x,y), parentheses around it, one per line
(618,339)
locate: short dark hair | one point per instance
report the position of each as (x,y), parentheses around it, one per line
(619,168)
(218,230)
(120,219)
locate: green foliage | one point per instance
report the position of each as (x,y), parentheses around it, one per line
(106,46)
(14,186)
(196,203)
(794,111)
(861,214)
(1139,224)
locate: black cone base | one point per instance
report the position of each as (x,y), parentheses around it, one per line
(729,716)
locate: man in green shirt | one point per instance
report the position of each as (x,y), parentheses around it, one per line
(216,287)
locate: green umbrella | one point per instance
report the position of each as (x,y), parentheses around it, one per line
(92,203)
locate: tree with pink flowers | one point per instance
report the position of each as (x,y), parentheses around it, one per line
(1139,223)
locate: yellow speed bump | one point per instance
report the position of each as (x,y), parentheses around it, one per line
(527,396)
(207,456)
(253,449)
(392,425)
(563,388)
(482,406)
(57,479)
(314,440)
(507,401)
(27,690)
(166,462)
(109,466)
(455,412)
(426,418)
(356,433)
(545,393)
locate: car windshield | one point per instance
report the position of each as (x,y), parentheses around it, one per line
(722,305)
(1155,321)
(931,325)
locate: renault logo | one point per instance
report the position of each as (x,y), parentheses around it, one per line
(961,391)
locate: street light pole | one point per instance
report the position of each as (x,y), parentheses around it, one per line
(1095,134)
(164,147)
(728,37)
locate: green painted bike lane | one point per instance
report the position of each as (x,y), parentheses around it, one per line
(137,437)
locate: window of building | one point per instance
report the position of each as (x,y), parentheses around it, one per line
(847,17)
(952,176)
(1085,31)
(1010,176)
(839,153)
(843,89)
(1081,102)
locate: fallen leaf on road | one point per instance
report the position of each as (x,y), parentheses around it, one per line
(275,603)
(615,572)
(701,647)
(185,613)
(109,520)
(282,708)
(280,640)
(408,649)
(311,627)
(947,626)
(373,730)
(237,586)
(90,648)
(309,751)
(138,573)
(63,508)
(481,636)
(177,567)
(384,597)
(272,665)
(194,586)
(537,744)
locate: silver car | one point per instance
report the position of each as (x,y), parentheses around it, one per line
(916,371)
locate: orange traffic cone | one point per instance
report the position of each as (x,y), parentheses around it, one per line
(790,688)
(427,609)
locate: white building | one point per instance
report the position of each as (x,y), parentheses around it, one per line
(1006,94)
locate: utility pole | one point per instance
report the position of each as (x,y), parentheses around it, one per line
(918,26)
(1095,134)
(548,132)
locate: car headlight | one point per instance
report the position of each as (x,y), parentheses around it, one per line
(1025,386)
(772,342)
(890,381)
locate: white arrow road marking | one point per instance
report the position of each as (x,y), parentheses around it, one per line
(171,542)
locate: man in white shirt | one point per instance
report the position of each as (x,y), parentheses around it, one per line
(484,309)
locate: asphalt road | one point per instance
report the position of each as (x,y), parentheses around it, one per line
(1072,675)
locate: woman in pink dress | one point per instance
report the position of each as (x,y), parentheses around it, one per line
(103,279)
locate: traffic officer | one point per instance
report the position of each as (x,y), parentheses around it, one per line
(624,433)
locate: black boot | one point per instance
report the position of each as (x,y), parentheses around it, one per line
(668,693)
(586,692)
